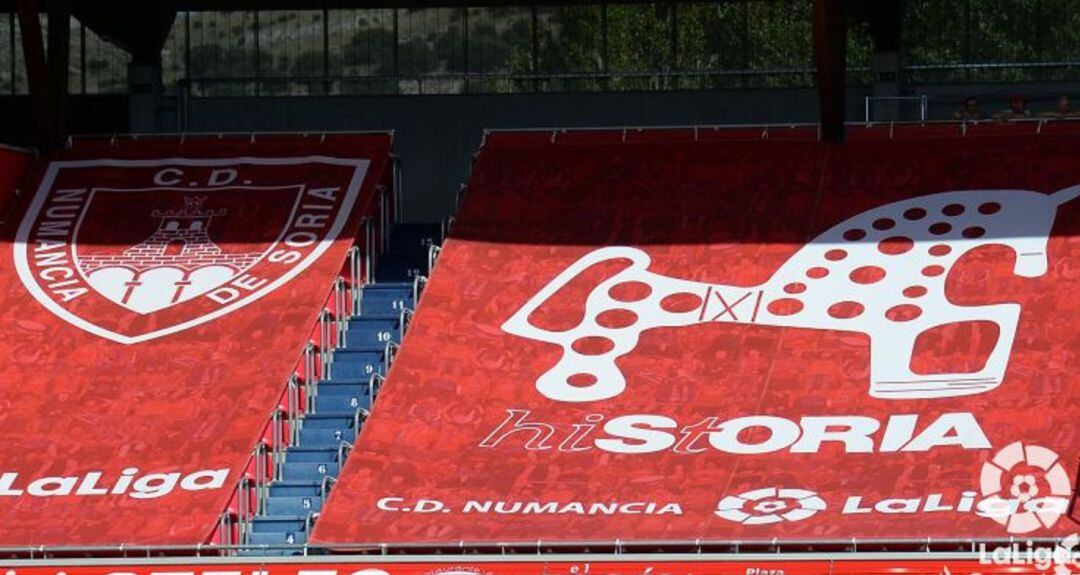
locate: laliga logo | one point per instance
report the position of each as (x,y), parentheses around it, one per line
(1027,485)
(769,505)
(881,273)
(1065,551)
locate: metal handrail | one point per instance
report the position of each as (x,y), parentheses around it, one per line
(359,418)
(447,225)
(294,409)
(326,336)
(344,449)
(327,483)
(404,319)
(419,281)
(433,254)
(374,383)
(310,360)
(389,352)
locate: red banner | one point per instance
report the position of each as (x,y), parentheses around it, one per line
(686,336)
(155,298)
(1039,561)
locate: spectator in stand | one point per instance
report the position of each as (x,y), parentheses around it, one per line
(1063,109)
(1017,109)
(969,112)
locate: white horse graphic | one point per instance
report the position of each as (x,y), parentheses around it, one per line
(881,273)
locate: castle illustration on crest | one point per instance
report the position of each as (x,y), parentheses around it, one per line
(177,262)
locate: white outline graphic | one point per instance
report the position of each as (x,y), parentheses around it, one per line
(20,246)
(887,265)
(1023,493)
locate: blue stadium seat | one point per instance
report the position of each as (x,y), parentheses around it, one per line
(279,524)
(386,300)
(371,333)
(357,365)
(311,455)
(306,471)
(313,436)
(291,489)
(356,397)
(298,506)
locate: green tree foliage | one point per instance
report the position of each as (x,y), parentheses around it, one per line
(584,46)
(997,35)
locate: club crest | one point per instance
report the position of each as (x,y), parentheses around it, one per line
(161,246)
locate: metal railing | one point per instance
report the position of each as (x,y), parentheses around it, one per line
(891,109)
(496,83)
(700,549)
(433,254)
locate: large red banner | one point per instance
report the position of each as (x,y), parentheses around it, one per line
(691,336)
(154,297)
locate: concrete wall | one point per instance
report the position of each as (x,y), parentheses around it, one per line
(436,136)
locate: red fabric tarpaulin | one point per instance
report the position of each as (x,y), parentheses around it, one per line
(737,340)
(154,298)
(597,566)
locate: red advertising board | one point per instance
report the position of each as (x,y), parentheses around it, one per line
(154,298)
(986,564)
(689,337)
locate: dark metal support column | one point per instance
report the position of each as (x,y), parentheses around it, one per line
(830,44)
(33,45)
(59,55)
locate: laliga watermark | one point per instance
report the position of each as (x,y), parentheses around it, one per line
(1061,559)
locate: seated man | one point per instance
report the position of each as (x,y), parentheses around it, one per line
(1017,109)
(969,112)
(1062,109)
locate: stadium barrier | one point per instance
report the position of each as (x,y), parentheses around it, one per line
(672,564)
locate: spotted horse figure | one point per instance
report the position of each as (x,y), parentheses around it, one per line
(881,273)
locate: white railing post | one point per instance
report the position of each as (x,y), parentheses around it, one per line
(433,254)
(276,451)
(340,298)
(355,280)
(310,377)
(294,410)
(326,343)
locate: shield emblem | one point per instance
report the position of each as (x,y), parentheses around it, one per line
(160,246)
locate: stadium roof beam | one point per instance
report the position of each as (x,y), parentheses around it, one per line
(830,55)
(46,72)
